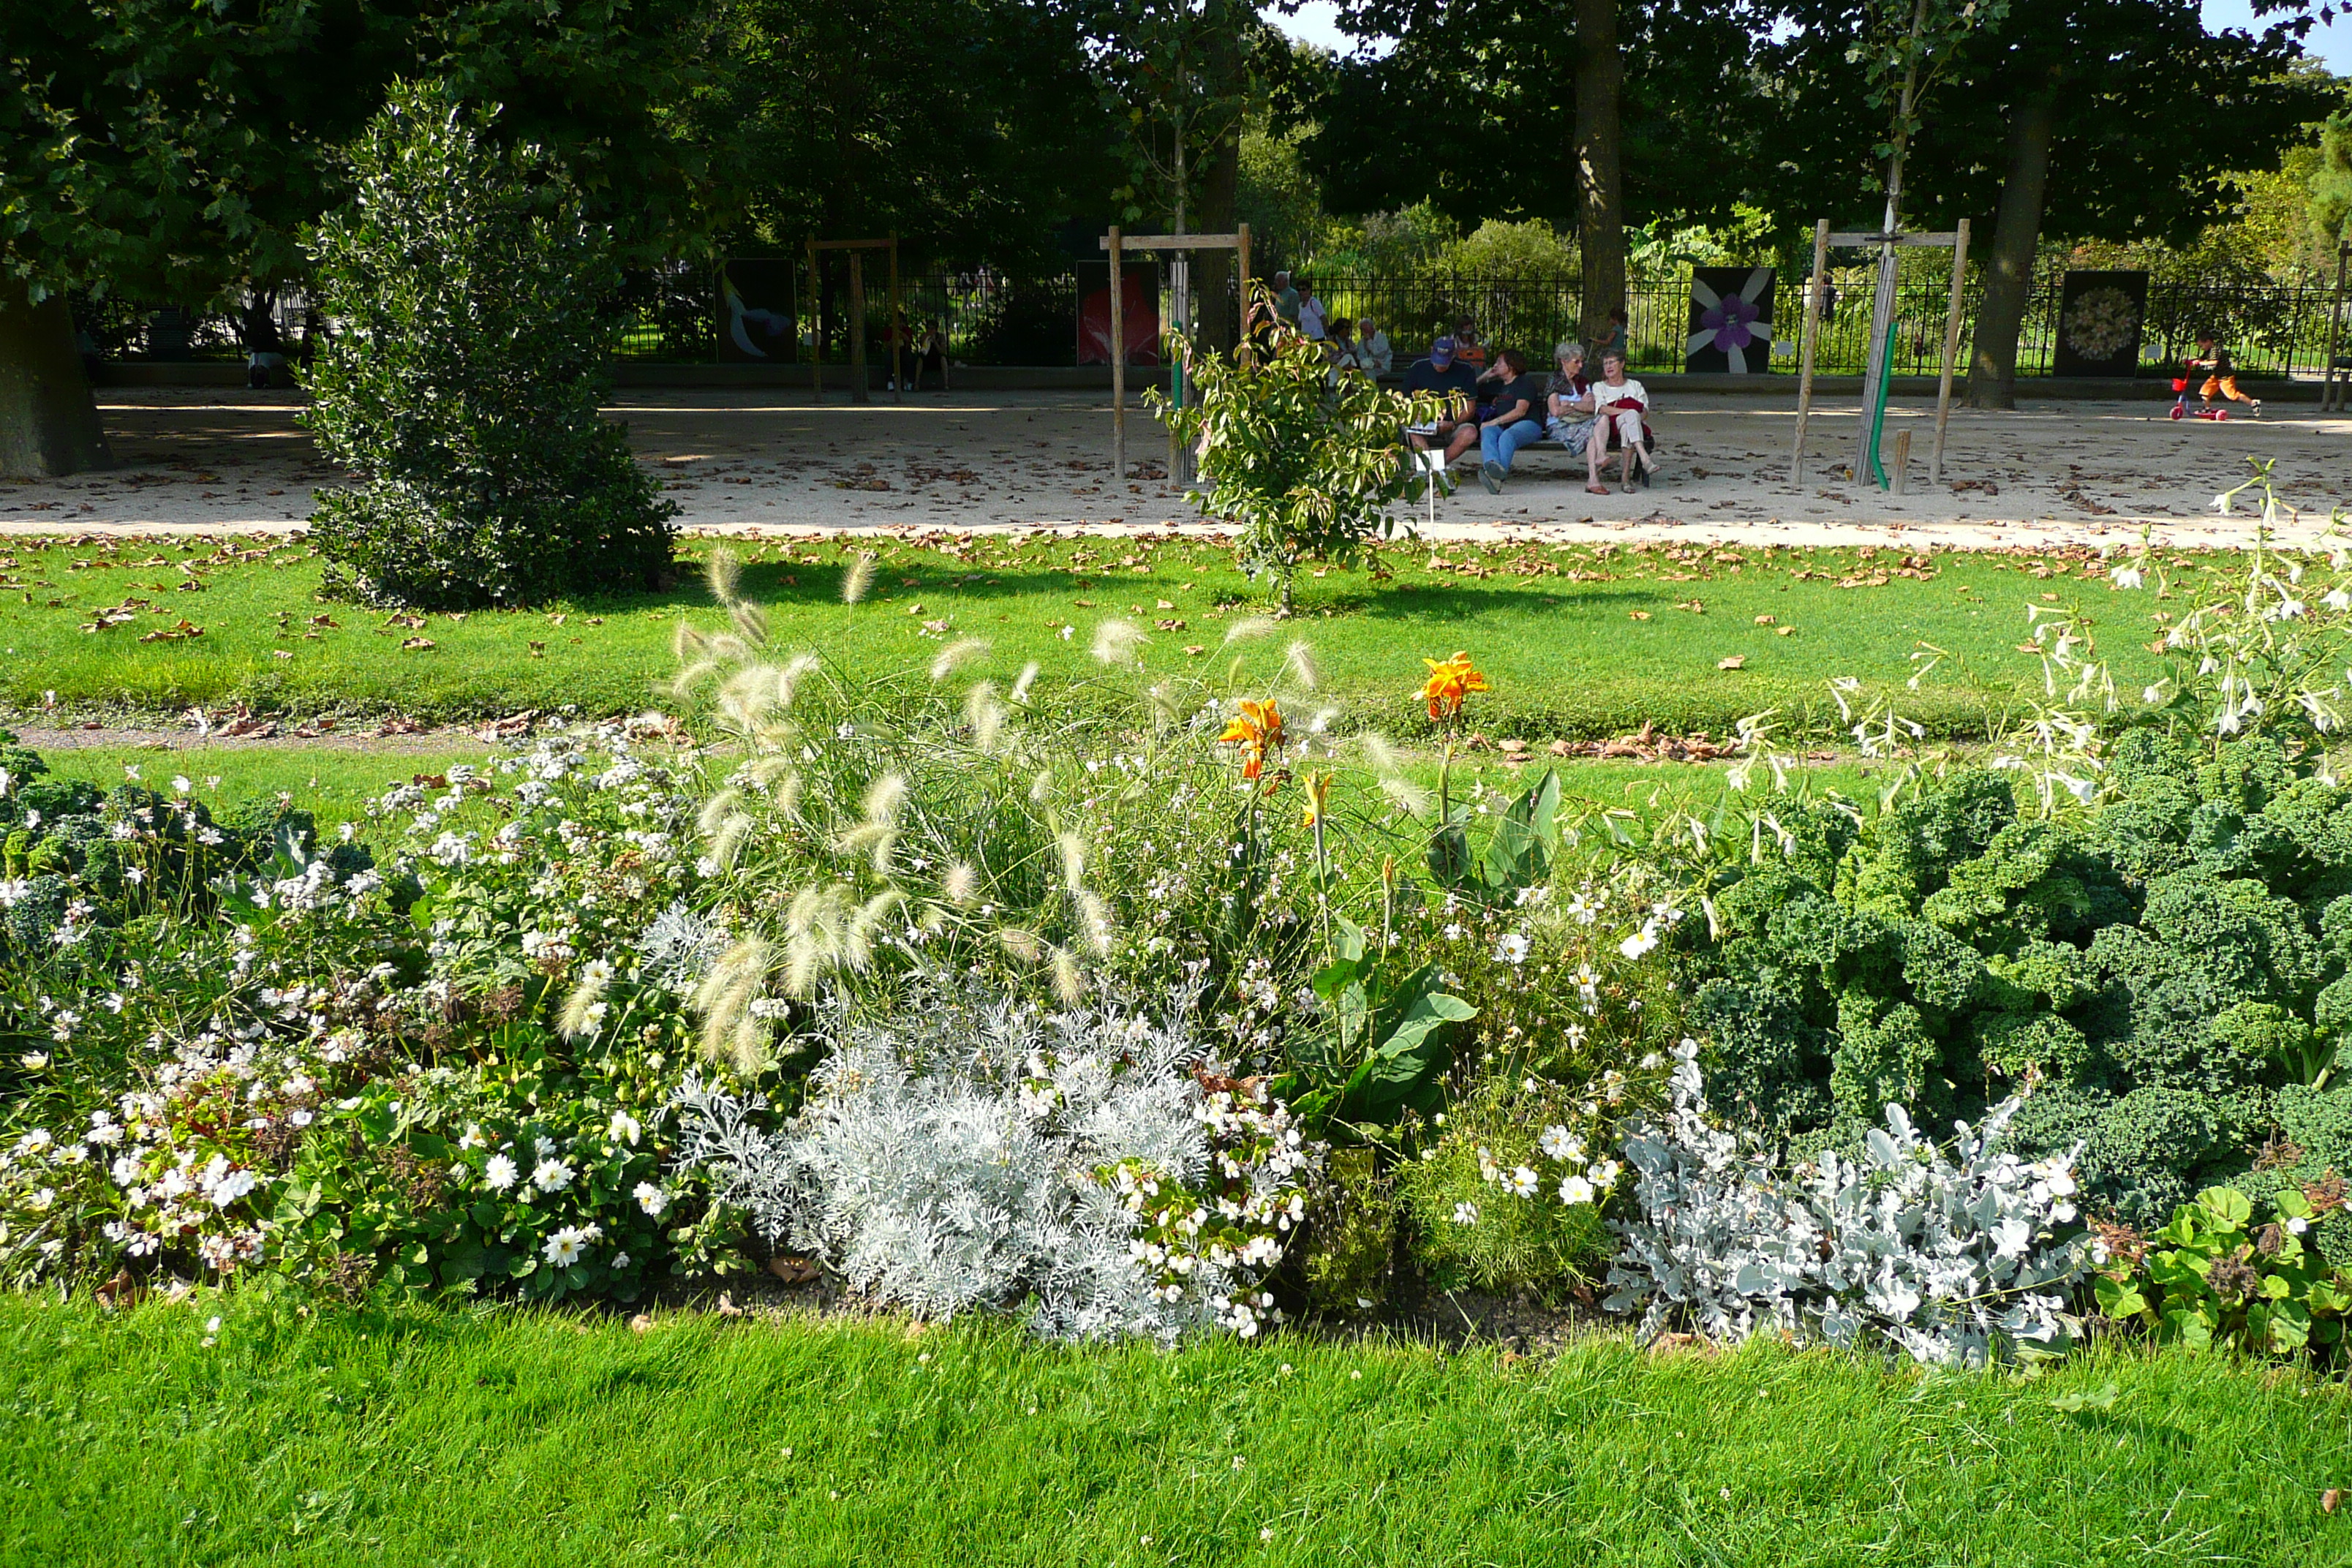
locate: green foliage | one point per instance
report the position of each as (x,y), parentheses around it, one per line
(2151,973)
(463,386)
(1484,1201)
(2331,181)
(2224,1272)
(1389,1043)
(1304,465)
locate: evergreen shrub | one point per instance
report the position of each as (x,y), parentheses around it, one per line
(461,382)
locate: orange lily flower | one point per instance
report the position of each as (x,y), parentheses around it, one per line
(1257,729)
(1449,682)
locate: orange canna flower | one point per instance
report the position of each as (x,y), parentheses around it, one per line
(1318,796)
(1449,682)
(1257,729)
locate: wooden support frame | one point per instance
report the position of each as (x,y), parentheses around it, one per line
(859,390)
(2333,392)
(1826,240)
(1114,245)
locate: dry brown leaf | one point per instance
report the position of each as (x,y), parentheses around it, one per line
(1767,620)
(416,645)
(641,1323)
(1737,661)
(1637,615)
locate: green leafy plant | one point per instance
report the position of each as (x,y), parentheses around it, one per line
(462,384)
(1305,465)
(2226,1272)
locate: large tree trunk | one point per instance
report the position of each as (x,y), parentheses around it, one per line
(1213,270)
(1601,216)
(48,425)
(2016,235)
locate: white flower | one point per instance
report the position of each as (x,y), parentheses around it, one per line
(1559,1144)
(2337,599)
(2126,576)
(1512,948)
(473,1138)
(1640,941)
(499,1174)
(1521,1183)
(1465,1214)
(552,1176)
(651,1199)
(564,1248)
(1575,1190)
(623,1129)
(34,1061)
(620,1260)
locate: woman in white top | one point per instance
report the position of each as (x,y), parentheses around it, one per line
(1623,402)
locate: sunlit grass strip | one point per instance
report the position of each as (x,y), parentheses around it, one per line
(423,1438)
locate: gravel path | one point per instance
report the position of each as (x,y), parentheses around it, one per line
(222,461)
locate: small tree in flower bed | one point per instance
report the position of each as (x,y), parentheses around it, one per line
(1306,464)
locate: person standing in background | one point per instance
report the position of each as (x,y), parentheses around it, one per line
(1286,299)
(1311,320)
(1613,341)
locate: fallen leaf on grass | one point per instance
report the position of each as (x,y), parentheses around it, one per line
(538,650)
(1696,607)
(1637,615)
(273,653)
(1737,661)
(1784,631)
(641,1323)
(1193,650)
(180,631)
(1767,620)
(414,645)
(2329,1499)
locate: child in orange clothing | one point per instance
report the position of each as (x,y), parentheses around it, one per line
(2222,377)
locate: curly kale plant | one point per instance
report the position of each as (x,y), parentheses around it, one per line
(462,383)
(1960,1258)
(2160,976)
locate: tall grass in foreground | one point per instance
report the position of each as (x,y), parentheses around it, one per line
(424,1438)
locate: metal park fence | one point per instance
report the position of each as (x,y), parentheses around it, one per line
(992,318)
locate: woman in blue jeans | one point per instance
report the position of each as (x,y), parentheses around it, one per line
(1518,419)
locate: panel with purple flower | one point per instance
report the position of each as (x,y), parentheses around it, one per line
(1730,320)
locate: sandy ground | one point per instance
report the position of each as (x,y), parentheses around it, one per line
(226,460)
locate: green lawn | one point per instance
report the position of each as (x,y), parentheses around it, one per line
(1581,641)
(334,784)
(437,1437)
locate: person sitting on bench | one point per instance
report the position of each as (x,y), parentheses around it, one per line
(1569,412)
(1441,373)
(1518,418)
(1622,402)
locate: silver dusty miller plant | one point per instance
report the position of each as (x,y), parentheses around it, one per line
(1959,1258)
(978,1154)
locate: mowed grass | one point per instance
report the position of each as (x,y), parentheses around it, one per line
(333,784)
(425,1437)
(1581,641)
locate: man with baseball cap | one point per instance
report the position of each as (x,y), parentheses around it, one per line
(1457,382)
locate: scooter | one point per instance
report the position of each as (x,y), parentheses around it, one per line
(2181,385)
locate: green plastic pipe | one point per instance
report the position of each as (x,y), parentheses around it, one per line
(1879,414)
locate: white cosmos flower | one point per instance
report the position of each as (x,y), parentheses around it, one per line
(1521,1183)
(1640,941)
(499,1174)
(1575,1190)
(1512,948)
(1465,1214)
